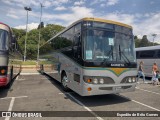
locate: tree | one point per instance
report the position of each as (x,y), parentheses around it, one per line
(144,42)
(137,41)
(33,37)
(41,25)
(18,33)
(50,30)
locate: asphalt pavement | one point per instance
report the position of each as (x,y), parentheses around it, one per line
(36,92)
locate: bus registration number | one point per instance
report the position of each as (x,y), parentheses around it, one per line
(118,88)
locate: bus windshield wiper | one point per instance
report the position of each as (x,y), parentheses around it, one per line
(109,53)
(124,56)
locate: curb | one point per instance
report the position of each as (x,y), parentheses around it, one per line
(30,73)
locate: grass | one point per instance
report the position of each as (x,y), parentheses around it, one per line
(45,62)
(32,62)
(24,63)
(29,63)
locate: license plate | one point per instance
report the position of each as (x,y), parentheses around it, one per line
(118,88)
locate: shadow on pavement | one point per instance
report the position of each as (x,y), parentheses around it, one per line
(90,101)
(4,91)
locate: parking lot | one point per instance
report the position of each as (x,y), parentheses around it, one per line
(41,93)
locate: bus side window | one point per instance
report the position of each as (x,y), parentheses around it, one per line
(158,54)
(77,46)
(137,54)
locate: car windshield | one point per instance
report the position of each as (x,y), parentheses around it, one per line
(103,45)
(3,40)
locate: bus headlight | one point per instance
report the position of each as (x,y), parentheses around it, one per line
(101,81)
(129,80)
(134,79)
(95,80)
(87,79)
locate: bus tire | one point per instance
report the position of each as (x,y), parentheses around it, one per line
(8,85)
(65,82)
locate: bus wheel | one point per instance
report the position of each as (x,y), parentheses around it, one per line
(65,82)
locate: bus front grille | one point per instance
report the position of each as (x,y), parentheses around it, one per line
(108,80)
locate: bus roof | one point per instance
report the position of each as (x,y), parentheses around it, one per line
(102,20)
(148,48)
(90,19)
(4,26)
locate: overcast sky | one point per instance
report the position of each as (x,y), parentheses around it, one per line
(143,15)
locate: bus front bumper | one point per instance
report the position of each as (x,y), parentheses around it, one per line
(108,89)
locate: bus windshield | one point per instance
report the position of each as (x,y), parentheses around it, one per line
(3,40)
(105,45)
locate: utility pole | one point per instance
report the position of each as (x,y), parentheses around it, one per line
(154,35)
(39,32)
(27,9)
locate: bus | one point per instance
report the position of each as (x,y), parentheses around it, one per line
(9,68)
(148,55)
(92,56)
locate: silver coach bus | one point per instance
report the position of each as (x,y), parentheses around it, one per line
(149,55)
(92,57)
(9,68)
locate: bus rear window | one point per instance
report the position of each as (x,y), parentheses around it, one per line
(3,40)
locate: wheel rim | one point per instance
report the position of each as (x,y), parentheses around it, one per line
(65,81)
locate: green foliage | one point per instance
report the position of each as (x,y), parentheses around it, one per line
(137,41)
(33,37)
(41,25)
(50,30)
(59,42)
(28,62)
(18,33)
(144,42)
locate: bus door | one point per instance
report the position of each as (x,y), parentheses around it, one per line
(77,54)
(77,46)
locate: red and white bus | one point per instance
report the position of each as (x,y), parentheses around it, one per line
(8,52)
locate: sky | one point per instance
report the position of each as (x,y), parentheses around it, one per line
(142,15)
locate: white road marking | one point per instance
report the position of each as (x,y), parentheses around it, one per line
(37,73)
(148,91)
(146,105)
(10,107)
(140,103)
(22,79)
(13,97)
(30,73)
(11,104)
(93,113)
